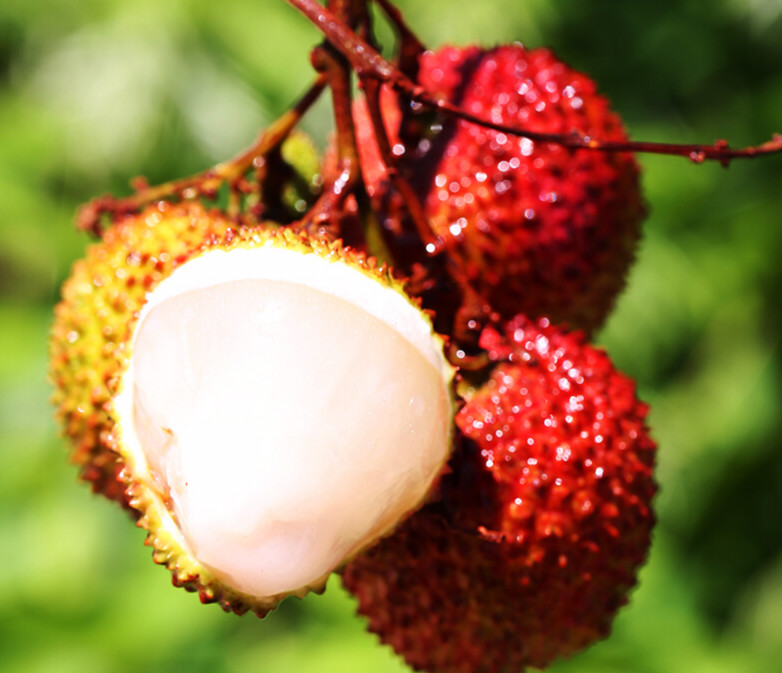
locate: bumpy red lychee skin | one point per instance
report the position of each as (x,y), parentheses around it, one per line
(534,227)
(563,435)
(544,522)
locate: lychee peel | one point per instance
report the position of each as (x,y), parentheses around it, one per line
(198,457)
(544,523)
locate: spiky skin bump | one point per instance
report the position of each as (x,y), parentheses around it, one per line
(543,527)
(535,228)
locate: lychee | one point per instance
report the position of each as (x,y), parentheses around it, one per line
(544,520)
(240,389)
(533,227)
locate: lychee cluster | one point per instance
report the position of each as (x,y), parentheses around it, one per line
(273,405)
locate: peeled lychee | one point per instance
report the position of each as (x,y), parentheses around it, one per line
(533,227)
(544,522)
(241,390)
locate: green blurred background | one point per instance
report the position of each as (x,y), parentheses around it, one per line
(93,92)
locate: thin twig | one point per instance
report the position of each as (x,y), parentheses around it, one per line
(336,69)
(88,217)
(432,243)
(367,62)
(410,47)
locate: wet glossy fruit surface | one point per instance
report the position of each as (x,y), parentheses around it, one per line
(544,522)
(533,227)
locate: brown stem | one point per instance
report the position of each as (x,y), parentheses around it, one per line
(342,9)
(470,317)
(433,244)
(336,69)
(410,47)
(367,62)
(363,20)
(88,217)
(364,59)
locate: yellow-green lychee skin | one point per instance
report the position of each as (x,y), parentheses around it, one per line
(300,153)
(104,293)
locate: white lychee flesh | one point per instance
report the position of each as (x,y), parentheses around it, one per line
(288,409)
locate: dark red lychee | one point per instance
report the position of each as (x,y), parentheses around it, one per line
(533,227)
(544,521)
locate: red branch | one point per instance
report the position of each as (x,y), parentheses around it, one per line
(367,62)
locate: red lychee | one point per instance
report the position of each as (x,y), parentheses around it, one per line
(534,228)
(544,520)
